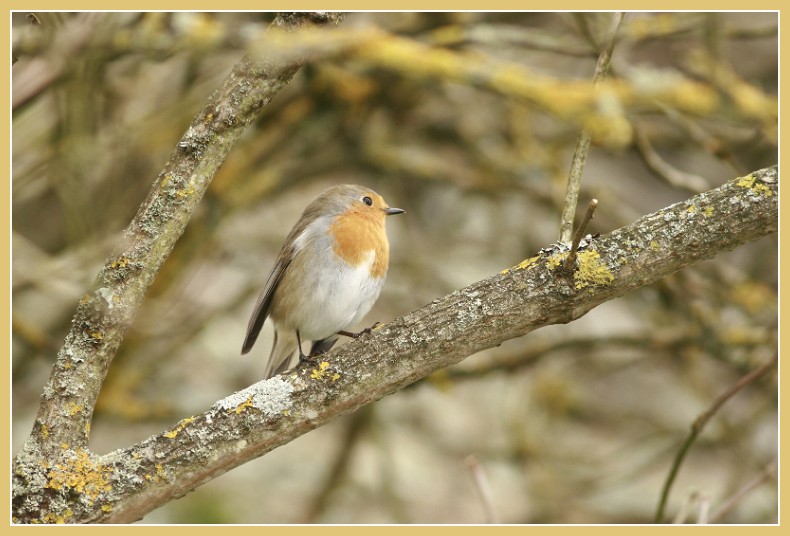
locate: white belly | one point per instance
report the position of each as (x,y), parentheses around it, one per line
(328,300)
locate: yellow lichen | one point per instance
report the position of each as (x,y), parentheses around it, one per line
(762,189)
(555,260)
(81,474)
(74,408)
(181,425)
(591,271)
(58,519)
(318,373)
(746,182)
(121,262)
(750,182)
(241,407)
(186,192)
(158,477)
(523,265)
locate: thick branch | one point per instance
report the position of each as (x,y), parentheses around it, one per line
(482,315)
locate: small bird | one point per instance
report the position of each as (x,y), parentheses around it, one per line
(327,276)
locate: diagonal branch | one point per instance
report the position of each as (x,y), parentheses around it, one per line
(512,303)
(699,424)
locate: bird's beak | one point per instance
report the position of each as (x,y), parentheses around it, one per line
(389,211)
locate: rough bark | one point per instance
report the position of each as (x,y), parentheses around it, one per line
(124,485)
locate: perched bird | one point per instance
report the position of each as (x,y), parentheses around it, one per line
(327,276)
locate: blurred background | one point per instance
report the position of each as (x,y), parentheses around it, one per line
(571,424)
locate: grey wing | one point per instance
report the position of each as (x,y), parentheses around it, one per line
(261,310)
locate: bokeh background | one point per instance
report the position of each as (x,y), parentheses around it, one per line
(571,424)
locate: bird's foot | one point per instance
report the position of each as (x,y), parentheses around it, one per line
(355,334)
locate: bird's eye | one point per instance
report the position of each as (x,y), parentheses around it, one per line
(367,200)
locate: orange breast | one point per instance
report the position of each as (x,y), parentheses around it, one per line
(356,233)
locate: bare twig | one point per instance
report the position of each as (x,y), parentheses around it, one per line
(768,472)
(672,175)
(577,238)
(583,143)
(691,500)
(702,137)
(704,509)
(700,422)
(483,488)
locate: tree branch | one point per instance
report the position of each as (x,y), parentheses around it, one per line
(700,422)
(510,304)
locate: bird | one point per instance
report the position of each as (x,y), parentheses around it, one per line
(327,276)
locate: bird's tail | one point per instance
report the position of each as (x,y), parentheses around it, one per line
(284,355)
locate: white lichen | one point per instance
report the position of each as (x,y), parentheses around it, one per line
(272,397)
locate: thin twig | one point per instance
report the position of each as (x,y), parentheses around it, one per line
(704,510)
(687,505)
(583,143)
(768,472)
(483,488)
(700,422)
(701,136)
(577,238)
(672,175)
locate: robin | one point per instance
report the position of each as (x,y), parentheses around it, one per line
(327,276)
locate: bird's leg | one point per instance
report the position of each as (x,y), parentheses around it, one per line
(355,334)
(302,357)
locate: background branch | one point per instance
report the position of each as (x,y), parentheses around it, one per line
(768,472)
(699,424)
(483,487)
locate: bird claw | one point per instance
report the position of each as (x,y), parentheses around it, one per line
(356,334)
(311,359)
